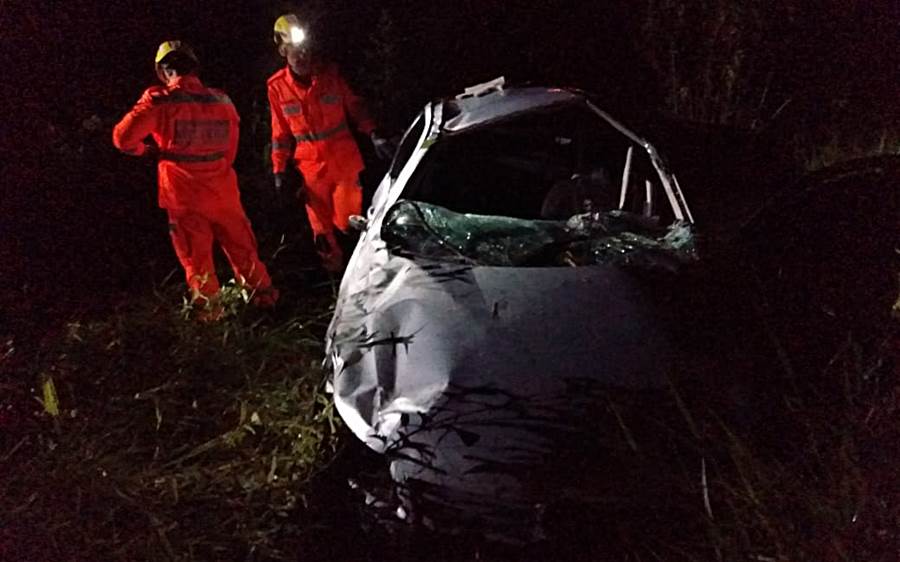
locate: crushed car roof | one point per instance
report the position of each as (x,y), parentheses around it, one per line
(490,102)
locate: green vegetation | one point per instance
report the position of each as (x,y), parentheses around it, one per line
(164,439)
(152,437)
(137,434)
(817,480)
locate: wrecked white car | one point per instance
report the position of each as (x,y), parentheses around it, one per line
(495,291)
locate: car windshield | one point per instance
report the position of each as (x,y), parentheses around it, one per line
(421,230)
(541,189)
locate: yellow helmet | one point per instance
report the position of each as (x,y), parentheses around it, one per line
(289,31)
(171,47)
(168,47)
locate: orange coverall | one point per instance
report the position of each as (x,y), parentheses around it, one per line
(196,129)
(312,125)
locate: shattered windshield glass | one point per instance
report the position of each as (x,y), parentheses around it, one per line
(422,230)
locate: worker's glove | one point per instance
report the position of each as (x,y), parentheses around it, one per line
(384,148)
(300,194)
(282,189)
(279,184)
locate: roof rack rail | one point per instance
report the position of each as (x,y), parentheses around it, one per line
(479,90)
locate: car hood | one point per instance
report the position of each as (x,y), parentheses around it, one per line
(432,327)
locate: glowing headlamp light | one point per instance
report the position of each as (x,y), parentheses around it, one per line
(297,36)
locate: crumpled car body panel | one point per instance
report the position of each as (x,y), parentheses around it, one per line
(420,329)
(471,377)
(466,377)
(508,104)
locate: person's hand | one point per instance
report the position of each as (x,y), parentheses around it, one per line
(384,149)
(279,184)
(301,191)
(282,189)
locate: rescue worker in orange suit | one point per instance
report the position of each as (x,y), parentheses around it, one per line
(195,130)
(312,109)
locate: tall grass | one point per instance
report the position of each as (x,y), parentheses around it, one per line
(169,440)
(745,66)
(821,484)
(705,56)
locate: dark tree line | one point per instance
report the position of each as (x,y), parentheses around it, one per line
(810,83)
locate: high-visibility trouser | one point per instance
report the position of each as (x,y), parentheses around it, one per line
(193,234)
(329,204)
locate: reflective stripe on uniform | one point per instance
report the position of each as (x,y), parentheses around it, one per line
(310,137)
(280,145)
(187,97)
(201,131)
(173,157)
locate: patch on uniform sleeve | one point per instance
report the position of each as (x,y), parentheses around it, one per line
(330,99)
(292,109)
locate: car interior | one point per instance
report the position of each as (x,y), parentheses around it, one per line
(542,165)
